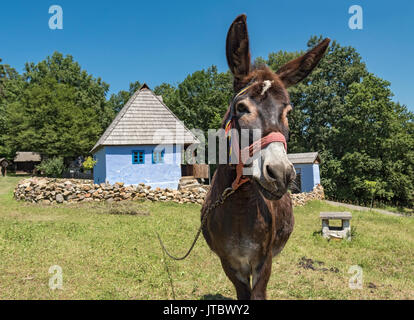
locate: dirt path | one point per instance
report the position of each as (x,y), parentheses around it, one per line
(354,207)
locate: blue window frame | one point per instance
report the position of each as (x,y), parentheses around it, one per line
(138,157)
(158,156)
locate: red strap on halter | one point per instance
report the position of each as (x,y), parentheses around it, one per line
(252,149)
(261,143)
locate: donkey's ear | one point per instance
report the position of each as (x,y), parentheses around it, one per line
(237,50)
(296,70)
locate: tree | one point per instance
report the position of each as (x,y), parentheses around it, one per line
(375,131)
(60,110)
(11,85)
(201,99)
(346,113)
(117,101)
(373,188)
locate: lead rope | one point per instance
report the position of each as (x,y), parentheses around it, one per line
(226,193)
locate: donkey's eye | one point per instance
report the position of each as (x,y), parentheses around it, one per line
(288,109)
(242,108)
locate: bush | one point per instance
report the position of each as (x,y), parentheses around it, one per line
(89,163)
(52,167)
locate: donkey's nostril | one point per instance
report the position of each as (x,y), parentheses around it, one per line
(288,177)
(270,173)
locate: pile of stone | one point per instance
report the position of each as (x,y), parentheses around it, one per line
(50,191)
(300,199)
(188,183)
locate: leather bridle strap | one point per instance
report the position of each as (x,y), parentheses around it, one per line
(250,150)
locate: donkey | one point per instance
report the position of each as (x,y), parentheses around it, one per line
(253,224)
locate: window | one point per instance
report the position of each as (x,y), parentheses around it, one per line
(138,157)
(158,156)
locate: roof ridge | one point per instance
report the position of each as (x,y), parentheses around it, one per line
(162,102)
(307,157)
(144,86)
(116,120)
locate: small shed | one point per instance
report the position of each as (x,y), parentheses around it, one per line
(307,170)
(26,161)
(143,144)
(3,166)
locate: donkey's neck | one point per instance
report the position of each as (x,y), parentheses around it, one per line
(224,177)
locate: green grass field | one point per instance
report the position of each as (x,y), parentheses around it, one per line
(106,253)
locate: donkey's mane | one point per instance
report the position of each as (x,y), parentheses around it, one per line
(259,74)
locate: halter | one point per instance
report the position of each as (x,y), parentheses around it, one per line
(251,149)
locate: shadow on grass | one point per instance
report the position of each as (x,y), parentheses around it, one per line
(317,233)
(216,296)
(133,208)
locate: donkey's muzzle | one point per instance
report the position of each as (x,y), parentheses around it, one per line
(279,174)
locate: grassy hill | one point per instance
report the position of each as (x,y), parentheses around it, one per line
(111,252)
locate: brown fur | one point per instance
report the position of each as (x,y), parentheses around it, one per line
(246,213)
(249,228)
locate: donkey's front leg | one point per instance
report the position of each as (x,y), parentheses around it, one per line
(242,286)
(261,275)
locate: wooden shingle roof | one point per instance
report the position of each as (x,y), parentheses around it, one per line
(24,156)
(307,157)
(145,120)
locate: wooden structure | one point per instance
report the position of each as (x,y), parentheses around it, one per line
(198,171)
(342,232)
(3,166)
(26,162)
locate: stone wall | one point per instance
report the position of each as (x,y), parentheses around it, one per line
(50,191)
(300,199)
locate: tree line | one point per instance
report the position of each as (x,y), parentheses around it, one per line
(341,110)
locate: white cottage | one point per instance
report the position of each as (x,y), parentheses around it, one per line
(143,144)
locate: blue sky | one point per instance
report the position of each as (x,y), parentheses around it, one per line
(163,41)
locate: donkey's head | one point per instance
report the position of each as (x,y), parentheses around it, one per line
(262,102)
